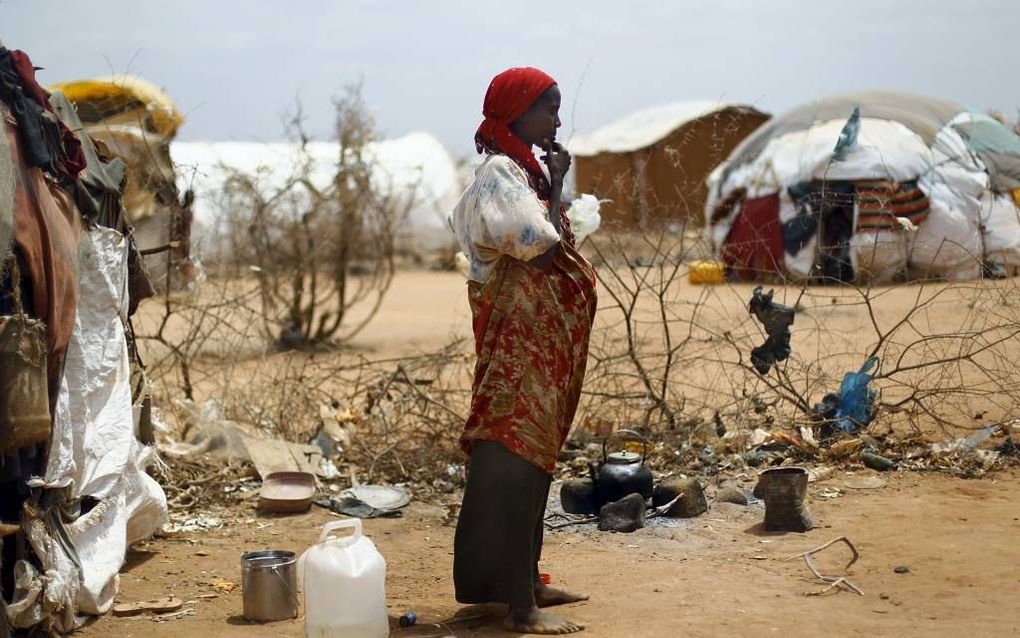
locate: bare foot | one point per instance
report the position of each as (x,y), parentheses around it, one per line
(533,621)
(546,596)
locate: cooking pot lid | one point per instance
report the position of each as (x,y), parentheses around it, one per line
(623,458)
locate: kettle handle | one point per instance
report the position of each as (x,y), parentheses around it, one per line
(631,434)
(335,525)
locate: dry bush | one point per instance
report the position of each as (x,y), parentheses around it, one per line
(306,267)
(666,356)
(402,416)
(671,357)
(318,253)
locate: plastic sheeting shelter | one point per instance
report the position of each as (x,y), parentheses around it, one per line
(416,168)
(652,164)
(124,99)
(92,499)
(922,187)
(136,120)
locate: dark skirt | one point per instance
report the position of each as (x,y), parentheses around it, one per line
(499,531)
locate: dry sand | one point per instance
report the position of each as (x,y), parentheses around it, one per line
(716,575)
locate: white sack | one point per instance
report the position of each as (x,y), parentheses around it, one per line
(1001,219)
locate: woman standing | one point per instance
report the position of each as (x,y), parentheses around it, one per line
(532,299)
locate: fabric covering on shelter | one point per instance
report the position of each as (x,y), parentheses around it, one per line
(912,198)
(415,170)
(99,200)
(997,146)
(881,204)
(6,194)
(46,142)
(46,232)
(923,115)
(755,242)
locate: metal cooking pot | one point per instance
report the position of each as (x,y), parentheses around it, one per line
(269,582)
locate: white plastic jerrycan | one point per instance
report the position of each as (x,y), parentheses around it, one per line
(344,582)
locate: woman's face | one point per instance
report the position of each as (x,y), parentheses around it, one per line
(538,125)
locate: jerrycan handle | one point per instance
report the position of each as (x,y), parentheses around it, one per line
(335,525)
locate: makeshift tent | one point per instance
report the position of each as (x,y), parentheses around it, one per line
(874,186)
(652,164)
(78,491)
(135,120)
(124,99)
(415,169)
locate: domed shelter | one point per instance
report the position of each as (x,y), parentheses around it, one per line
(135,120)
(870,186)
(651,165)
(415,171)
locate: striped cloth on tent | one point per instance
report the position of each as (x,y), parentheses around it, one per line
(880,203)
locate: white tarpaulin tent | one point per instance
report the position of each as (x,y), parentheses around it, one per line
(416,167)
(972,219)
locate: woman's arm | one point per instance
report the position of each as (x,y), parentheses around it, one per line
(558,160)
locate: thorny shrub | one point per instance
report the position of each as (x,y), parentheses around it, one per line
(668,358)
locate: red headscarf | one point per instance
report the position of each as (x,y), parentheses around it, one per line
(510,95)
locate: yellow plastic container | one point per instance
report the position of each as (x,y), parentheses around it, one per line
(707,272)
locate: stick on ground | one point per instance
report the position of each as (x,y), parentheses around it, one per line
(834,581)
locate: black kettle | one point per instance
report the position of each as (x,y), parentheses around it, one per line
(622,473)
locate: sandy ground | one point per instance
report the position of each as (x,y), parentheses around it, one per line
(716,575)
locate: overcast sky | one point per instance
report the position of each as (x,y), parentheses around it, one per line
(235,67)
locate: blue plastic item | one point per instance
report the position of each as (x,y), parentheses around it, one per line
(856,399)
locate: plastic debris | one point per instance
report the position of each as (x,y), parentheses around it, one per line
(979,437)
(777,319)
(847,141)
(856,398)
(408,618)
(384,497)
(584,216)
(189,524)
(350,506)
